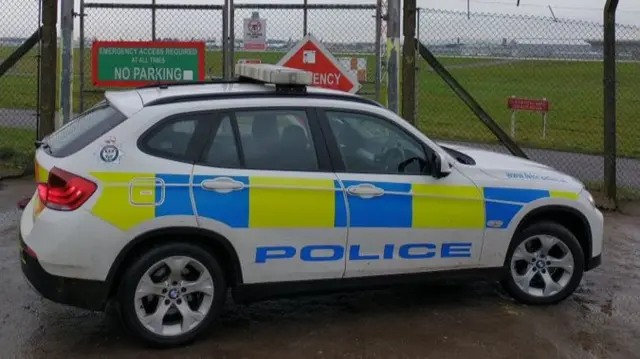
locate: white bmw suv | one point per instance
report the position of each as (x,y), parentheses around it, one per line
(162,199)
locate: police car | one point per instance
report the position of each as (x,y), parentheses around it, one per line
(162,200)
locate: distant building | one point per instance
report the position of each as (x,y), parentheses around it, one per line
(519,48)
(625,49)
(12,41)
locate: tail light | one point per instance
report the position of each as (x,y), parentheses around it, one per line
(65,191)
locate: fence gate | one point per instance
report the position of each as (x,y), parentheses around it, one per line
(351,32)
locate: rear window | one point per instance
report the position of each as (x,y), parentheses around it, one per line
(83,130)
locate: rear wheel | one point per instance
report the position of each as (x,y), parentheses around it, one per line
(171,294)
(545,264)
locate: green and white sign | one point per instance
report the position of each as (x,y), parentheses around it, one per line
(133,63)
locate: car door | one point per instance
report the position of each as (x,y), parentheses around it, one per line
(401,219)
(265,182)
(147,187)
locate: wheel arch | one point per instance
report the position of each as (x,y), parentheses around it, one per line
(213,242)
(574,220)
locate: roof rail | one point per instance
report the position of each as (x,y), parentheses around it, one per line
(261,94)
(212,81)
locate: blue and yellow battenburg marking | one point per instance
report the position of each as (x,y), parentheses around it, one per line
(279,202)
(129,199)
(502,204)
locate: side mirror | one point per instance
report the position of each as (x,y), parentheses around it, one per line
(439,167)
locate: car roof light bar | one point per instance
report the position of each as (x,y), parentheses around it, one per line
(274,74)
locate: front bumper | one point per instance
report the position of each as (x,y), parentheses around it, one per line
(81,293)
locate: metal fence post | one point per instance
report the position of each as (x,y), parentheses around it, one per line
(409,62)
(232,39)
(48,72)
(82,42)
(66,62)
(153,20)
(393,54)
(305,18)
(417,67)
(378,49)
(225,40)
(609,53)
(39,72)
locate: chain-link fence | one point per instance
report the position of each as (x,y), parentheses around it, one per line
(18,88)
(348,31)
(145,22)
(496,57)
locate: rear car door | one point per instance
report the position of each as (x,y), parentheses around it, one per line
(142,177)
(401,219)
(157,184)
(264,182)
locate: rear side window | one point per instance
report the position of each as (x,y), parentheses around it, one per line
(178,138)
(83,130)
(172,139)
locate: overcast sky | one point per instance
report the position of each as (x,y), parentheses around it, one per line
(20,19)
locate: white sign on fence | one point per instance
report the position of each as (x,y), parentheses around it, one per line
(357,66)
(255,34)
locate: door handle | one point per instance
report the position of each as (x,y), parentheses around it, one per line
(365,190)
(222,185)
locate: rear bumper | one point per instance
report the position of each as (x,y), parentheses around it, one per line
(81,293)
(594,262)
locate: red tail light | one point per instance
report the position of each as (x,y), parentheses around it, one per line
(65,191)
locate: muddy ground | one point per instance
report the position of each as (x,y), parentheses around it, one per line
(468,320)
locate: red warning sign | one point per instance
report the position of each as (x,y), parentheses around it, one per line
(311,55)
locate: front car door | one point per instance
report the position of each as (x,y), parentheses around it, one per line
(264,182)
(400,218)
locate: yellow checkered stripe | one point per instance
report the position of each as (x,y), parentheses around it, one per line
(129,199)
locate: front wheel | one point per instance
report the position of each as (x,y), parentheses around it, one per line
(545,264)
(171,294)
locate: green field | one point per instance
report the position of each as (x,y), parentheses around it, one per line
(574,89)
(16,150)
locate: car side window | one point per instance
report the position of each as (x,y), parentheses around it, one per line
(277,140)
(172,138)
(223,149)
(370,144)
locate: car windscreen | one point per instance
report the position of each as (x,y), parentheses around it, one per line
(83,130)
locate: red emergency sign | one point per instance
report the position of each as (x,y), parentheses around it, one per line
(311,55)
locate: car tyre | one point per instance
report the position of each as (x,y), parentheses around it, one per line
(545,274)
(133,307)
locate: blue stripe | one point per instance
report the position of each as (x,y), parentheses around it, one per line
(520,195)
(387,211)
(501,212)
(176,199)
(231,208)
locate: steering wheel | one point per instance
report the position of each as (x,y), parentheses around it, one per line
(403,165)
(390,158)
